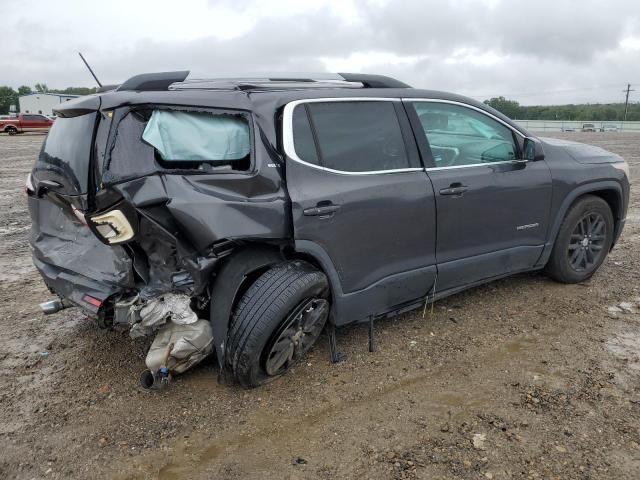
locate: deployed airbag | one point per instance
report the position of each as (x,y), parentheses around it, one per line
(197,136)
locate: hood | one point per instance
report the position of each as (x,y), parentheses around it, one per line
(581,152)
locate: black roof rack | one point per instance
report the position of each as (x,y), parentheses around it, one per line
(374,81)
(163,80)
(153,81)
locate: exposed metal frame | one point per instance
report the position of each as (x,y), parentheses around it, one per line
(290,151)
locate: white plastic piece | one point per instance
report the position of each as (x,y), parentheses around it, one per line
(113,226)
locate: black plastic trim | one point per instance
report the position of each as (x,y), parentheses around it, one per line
(158,81)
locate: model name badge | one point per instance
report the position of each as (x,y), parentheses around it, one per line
(529,225)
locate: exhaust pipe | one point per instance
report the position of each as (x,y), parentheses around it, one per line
(155,381)
(52,306)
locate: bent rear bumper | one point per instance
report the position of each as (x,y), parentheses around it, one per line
(74,287)
(71,260)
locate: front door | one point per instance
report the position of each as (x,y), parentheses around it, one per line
(493,207)
(361,200)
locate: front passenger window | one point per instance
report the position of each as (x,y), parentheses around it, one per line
(460,136)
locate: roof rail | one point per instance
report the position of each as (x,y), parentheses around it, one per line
(162,80)
(153,81)
(374,81)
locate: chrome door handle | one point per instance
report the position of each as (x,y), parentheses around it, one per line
(324,210)
(458,190)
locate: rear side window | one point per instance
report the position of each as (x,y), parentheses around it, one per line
(359,136)
(197,136)
(66,153)
(152,140)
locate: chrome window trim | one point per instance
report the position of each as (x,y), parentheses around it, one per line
(288,143)
(486,164)
(462,104)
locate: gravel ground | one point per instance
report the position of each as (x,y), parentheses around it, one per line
(521,378)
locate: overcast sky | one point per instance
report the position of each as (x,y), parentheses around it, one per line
(537,52)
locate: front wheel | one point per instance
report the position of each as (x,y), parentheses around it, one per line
(276,322)
(583,241)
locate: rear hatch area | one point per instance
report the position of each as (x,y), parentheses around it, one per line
(73,262)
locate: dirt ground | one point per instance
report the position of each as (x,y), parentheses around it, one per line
(522,378)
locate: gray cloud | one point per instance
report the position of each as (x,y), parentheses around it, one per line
(538,52)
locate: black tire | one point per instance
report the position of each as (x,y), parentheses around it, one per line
(579,252)
(277,319)
(11,130)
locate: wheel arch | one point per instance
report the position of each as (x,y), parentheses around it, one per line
(229,282)
(610,191)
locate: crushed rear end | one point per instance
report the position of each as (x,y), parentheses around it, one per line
(137,198)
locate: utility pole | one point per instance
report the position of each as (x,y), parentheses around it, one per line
(626,103)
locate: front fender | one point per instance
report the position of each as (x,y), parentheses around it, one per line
(572,196)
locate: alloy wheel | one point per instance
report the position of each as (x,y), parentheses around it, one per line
(587,241)
(296,335)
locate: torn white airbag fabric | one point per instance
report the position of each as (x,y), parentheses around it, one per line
(197,136)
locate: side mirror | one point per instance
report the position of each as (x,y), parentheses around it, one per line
(533,150)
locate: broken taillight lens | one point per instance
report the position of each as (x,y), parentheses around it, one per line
(112,227)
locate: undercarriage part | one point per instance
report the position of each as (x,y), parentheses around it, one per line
(158,311)
(123,313)
(155,381)
(178,347)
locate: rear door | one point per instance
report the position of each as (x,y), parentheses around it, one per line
(361,200)
(493,207)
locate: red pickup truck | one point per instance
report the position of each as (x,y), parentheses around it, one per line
(25,122)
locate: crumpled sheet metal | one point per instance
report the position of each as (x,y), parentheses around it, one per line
(61,240)
(157,312)
(189,344)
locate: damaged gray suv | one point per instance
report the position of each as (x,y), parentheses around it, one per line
(241,217)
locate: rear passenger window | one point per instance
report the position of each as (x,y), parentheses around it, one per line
(198,136)
(357,136)
(151,140)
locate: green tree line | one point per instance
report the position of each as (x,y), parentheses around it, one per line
(606,112)
(9,96)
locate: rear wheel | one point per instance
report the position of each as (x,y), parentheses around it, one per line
(11,130)
(583,241)
(276,322)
